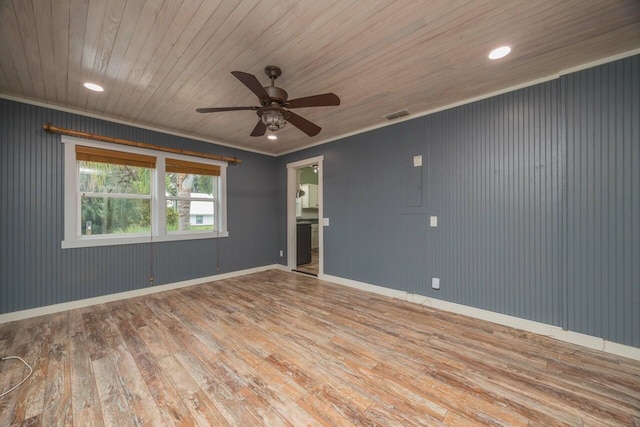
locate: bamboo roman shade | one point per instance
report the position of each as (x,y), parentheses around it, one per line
(182,166)
(89,154)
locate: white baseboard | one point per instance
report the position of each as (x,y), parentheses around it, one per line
(56,308)
(381,290)
(551,331)
(490,316)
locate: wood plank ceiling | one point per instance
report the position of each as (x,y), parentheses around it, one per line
(159,60)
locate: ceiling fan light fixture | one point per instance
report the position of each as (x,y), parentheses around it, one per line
(273,119)
(272,136)
(500,52)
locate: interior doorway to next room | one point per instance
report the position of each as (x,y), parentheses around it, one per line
(304,217)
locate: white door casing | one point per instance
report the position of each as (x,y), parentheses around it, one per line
(292,170)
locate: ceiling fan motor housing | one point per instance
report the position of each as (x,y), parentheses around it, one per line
(275,95)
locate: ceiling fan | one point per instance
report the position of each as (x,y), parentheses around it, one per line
(274,106)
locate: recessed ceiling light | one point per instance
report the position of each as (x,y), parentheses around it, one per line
(499,52)
(94,87)
(272,136)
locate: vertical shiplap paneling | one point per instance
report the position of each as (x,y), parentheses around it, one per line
(488,176)
(35,271)
(603,221)
(537,194)
(490,186)
(337,188)
(5,172)
(632,209)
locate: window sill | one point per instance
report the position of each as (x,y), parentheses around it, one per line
(88,242)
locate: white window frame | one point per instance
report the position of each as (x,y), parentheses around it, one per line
(72,235)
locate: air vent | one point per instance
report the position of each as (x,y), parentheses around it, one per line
(397,115)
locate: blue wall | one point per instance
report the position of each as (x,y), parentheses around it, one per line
(35,271)
(603,201)
(537,194)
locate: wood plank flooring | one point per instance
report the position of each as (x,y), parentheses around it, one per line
(278,348)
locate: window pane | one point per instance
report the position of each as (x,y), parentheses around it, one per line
(184,215)
(98,177)
(190,215)
(190,185)
(103,215)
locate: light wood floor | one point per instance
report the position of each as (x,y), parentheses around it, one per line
(277,348)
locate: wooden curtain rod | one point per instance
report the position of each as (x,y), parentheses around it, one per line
(54,129)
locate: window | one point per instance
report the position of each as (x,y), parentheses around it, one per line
(122,195)
(191,194)
(114,191)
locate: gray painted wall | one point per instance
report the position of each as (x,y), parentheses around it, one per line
(35,272)
(537,195)
(603,201)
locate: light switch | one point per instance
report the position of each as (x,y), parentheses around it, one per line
(433,221)
(435,283)
(417,161)
(325,222)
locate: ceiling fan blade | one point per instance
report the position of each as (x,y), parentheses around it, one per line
(250,81)
(260,129)
(324,100)
(217,109)
(303,124)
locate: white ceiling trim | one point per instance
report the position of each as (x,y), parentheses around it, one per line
(342,136)
(474,99)
(127,123)
(600,62)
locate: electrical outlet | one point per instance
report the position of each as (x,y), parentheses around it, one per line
(281,253)
(435,283)
(433,221)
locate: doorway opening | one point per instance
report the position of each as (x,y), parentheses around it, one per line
(304,216)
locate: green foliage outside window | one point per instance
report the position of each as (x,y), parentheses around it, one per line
(108,208)
(105,208)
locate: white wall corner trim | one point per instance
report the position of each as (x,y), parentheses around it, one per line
(71,305)
(551,331)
